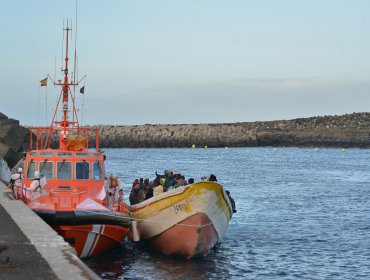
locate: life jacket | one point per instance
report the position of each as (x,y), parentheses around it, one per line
(13,180)
(114,192)
(39,185)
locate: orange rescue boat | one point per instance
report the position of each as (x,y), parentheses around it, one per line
(70,195)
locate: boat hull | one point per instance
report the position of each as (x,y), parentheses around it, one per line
(186,222)
(89,232)
(92,240)
(195,241)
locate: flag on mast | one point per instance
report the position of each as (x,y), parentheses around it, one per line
(44,82)
(82,90)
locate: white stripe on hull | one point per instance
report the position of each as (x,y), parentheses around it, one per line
(92,239)
(97,239)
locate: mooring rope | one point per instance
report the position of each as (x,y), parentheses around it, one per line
(158,221)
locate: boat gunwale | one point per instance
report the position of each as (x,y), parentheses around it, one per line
(83,217)
(178,191)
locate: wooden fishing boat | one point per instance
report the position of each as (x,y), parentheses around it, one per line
(72,198)
(187,221)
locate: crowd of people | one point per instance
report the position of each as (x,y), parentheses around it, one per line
(144,189)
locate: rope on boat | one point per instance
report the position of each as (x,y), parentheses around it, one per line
(158,221)
(184,225)
(179,224)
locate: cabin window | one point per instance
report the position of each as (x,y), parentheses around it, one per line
(96,155)
(46,169)
(82,154)
(46,154)
(33,153)
(31,170)
(64,154)
(64,170)
(82,170)
(97,174)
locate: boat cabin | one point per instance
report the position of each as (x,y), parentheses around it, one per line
(71,170)
(81,173)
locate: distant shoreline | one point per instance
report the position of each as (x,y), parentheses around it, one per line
(344,131)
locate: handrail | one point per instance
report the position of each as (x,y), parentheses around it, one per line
(43,132)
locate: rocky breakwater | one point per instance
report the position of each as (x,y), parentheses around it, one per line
(350,130)
(200,135)
(14,140)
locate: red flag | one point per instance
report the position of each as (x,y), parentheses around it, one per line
(44,82)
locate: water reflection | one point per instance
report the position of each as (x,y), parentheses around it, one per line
(301,214)
(137,261)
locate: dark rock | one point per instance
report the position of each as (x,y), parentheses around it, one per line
(2,116)
(14,139)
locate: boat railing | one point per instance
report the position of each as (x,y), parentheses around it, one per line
(70,138)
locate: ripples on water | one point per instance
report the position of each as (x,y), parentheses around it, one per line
(302,214)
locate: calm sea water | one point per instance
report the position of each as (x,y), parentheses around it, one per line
(302,214)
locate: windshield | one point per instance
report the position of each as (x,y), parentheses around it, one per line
(64,170)
(46,169)
(31,169)
(97,174)
(82,170)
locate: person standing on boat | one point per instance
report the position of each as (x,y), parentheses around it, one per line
(212,178)
(134,194)
(120,196)
(180,179)
(148,188)
(37,186)
(233,206)
(112,187)
(209,178)
(170,181)
(141,194)
(159,189)
(16,182)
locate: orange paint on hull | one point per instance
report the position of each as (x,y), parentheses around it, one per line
(92,240)
(194,236)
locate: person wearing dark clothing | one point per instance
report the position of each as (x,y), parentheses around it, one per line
(212,178)
(169,182)
(148,188)
(180,181)
(233,206)
(134,194)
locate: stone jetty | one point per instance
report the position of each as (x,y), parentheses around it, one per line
(350,130)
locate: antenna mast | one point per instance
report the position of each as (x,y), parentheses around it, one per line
(74,67)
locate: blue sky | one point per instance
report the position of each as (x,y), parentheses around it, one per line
(187,61)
